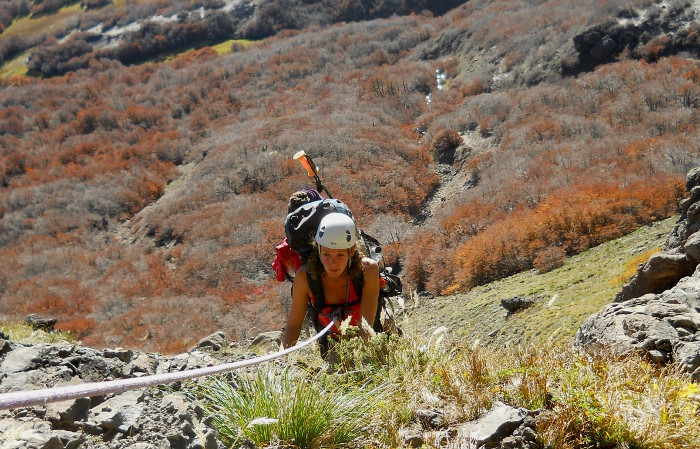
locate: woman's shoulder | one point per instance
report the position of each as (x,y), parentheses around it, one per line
(300,277)
(370,265)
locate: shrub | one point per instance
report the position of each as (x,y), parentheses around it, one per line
(285,407)
(444,145)
(549,258)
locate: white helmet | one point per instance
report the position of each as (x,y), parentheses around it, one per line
(336,231)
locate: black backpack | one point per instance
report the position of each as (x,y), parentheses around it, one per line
(302,223)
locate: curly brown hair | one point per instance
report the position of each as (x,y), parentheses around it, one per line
(315,266)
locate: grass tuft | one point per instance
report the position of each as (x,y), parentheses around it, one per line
(24,333)
(286,408)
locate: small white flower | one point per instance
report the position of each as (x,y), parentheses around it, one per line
(263,421)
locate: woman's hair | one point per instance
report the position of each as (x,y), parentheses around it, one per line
(316,267)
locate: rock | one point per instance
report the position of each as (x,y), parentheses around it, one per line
(658,312)
(122,354)
(430,419)
(662,271)
(23,358)
(268,340)
(32,433)
(119,413)
(214,342)
(516,303)
(496,425)
(39,323)
(143,363)
(411,437)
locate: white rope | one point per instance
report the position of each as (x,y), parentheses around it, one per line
(46,395)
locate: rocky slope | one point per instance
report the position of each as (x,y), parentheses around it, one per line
(658,312)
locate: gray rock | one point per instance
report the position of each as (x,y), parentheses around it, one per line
(39,323)
(516,303)
(119,413)
(268,340)
(214,342)
(122,354)
(496,425)
(430,419)
(22,358)
(32,433)
(143,364)
(411,437)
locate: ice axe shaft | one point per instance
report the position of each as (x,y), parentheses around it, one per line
(311,170)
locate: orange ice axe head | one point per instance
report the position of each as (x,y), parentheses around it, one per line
(306,162)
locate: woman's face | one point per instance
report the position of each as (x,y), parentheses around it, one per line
(334,261)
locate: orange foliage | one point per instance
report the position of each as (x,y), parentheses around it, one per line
(573,221)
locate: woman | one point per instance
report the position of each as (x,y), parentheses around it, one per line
(333,271)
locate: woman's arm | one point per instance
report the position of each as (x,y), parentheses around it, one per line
(300,299)
(370,293)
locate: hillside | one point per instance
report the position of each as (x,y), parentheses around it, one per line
(561,298)
(142,196)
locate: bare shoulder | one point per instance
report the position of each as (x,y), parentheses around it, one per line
(369,265)
(300,279)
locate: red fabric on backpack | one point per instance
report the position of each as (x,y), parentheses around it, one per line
(286,260)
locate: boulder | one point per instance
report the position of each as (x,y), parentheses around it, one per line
(657,313)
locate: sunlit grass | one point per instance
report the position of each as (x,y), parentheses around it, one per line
(564,297)
(583,400)
(15,67)
(630,267)
(231,45)
(33,26)
(24,333)
(290,409)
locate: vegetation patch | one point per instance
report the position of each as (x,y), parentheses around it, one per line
(593,400)
(35,25)
(24,333)
(565,297)
(16,66)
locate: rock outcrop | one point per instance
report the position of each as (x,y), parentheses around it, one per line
(145,419)
(658,312)
(652,33)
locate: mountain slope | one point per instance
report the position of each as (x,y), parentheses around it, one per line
(141,204)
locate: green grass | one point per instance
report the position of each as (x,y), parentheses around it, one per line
(15,66)
(289,408)
(584,401)
(23,333)
(33,26)
(228,46)
(565,297)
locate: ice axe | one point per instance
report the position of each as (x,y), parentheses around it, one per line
(311,170)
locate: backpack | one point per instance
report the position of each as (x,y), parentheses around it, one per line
(302,223)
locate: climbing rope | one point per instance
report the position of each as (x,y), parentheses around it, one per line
(47,395)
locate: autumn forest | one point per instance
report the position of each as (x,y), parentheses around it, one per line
(141,198)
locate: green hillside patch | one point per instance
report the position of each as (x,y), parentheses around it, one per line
(564,297)
(32,26)
(229,45)
(16,66)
